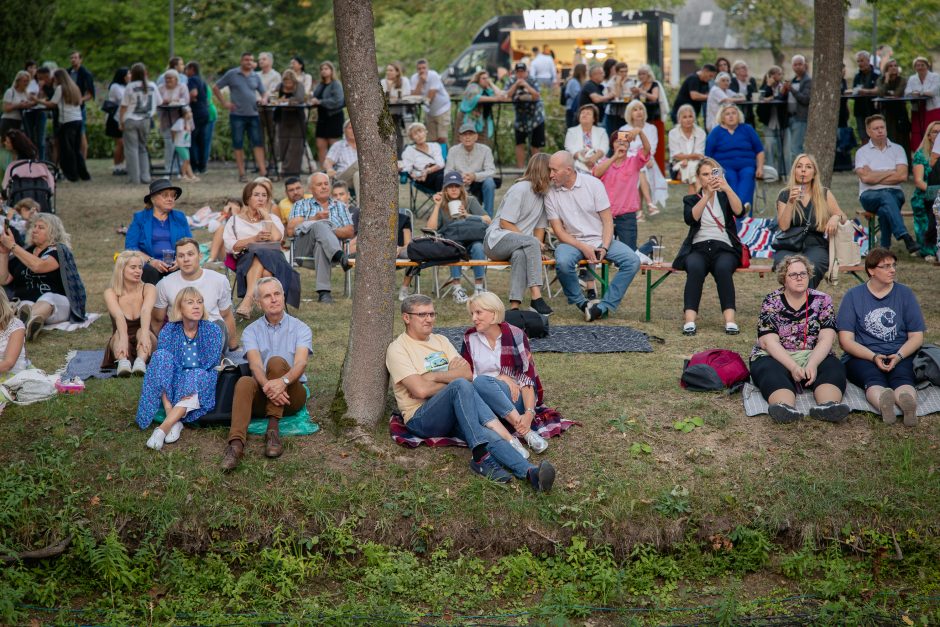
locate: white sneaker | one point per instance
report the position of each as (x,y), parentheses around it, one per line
(536,442)
(479,289)
(403,293)
(460,296)
(123,368)
(140,367)
(156,440)
(174,433)
(516,444)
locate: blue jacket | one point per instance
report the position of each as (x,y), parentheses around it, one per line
(140,232)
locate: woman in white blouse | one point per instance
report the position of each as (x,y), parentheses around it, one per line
(686,147)
(12,341)
(587,142)
(395,84)
(719,94)
(923,82)
(423,161)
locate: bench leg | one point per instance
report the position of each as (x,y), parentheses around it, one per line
(650,286)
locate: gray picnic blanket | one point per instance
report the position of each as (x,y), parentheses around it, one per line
(87,364)
(576,339)
(928,401)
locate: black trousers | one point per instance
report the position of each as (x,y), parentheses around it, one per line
(770,375)
(198,148)
(70,153)
(715,258)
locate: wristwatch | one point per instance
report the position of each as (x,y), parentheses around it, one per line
(285,380)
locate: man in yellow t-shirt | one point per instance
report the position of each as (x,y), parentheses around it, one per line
(433,391)
(295,191)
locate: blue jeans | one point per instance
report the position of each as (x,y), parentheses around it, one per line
(497,397)
(240,125)
(485,190)
(887,204)
(476,252)
(458,410)
(621,255)
(625,229)
(796,132)
(207,146)
(741,181)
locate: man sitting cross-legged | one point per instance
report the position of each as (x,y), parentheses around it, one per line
(277,347)
(214,287)
(433,391)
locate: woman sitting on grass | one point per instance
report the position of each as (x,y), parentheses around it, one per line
(503,371)
(881,327)
(795,333)
(12,341)
(130,303)
(181,376)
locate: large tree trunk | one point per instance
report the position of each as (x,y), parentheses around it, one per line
(361,395)
(828,44)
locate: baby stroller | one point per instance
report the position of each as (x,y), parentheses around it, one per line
(760,195)
(27,178)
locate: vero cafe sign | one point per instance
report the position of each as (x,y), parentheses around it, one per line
(601,17)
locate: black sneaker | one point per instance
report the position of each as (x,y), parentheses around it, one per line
(652,241)
(783,413)
(542,478)
(912,246)
(591,294)
(830,412)
(490,468)
(540,306)
(343,260)
(593,311)
(325,298)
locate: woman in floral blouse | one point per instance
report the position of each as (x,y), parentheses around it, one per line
(795,333)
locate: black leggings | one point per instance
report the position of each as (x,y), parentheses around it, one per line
(770,375)
(710,257)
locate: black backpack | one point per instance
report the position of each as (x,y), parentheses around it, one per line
(434,251)
(534,324)
(927,364)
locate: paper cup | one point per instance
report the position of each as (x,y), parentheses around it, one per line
(454,207)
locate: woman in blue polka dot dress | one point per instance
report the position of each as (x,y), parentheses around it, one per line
(181,375)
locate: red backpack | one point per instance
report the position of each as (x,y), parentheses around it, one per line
(715,369)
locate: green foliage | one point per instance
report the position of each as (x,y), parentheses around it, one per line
(905,24)
(24,23)
(673,503)
(687,425)
(640,448)
(768,23)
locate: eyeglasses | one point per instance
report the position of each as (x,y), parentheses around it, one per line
(888,266)
(798,275)
(424,315)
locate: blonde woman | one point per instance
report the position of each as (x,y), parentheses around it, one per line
(653,186)
(686,147)
(68,99)
(12,341)
(925,224)
(423,161)
(181,376)
(805,202)
(130,303)
(736,146)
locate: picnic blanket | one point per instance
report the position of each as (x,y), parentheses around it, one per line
(928,401)
(576,339)
(758,235)
(73,326)
(86,364)
(547,422)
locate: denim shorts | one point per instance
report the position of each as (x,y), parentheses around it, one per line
(242,123)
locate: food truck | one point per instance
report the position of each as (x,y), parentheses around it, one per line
(578,35)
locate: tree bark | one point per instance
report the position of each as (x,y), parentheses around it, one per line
(363,386)
(828,45)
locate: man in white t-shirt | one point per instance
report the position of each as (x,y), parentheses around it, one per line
(214,287)
(881,167)
(578,210)
(427,83)
(543,69)
(436,398)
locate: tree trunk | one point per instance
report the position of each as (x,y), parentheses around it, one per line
(362,391)
(828,44)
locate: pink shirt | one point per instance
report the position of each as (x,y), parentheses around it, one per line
(622,183)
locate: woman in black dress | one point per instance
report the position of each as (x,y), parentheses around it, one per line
(329,99)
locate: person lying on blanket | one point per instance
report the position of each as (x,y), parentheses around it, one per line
(433,391)
(503,370)
(795,333)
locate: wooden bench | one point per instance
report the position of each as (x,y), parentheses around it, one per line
(759,270)
(873,226)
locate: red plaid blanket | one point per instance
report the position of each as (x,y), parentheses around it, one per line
(547,422)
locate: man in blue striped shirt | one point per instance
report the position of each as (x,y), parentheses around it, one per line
(317,225)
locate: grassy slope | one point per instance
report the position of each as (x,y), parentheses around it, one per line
(807,480)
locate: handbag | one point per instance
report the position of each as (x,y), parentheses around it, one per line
(843,251)
(469,229)
(745,261)
(109,107)
(229,374)
(791,240)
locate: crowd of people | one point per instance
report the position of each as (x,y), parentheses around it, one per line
(173,320)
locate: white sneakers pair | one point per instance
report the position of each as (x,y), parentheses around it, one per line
(124,368)
(158,438)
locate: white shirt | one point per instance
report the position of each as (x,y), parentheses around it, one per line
(67,113)
(414,161)
(574,142)
(715,96)
(441,102)
(343,155)
(929,87)
(15,97)
(395,92)
(708,225)
(214,287)
(140,105)
(543,67)
(577,208)
(22,363)
(237,228)
(485,358)
(637,144)
(879,160)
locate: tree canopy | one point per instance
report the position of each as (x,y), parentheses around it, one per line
(770,23)
(910,26)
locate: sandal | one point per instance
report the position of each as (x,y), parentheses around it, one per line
(652,210)
(639,217)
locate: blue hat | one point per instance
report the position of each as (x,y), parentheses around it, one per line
(453,178)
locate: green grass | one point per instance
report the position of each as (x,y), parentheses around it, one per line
(334,532)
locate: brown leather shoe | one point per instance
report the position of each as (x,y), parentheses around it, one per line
(233,453)
(272,444)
